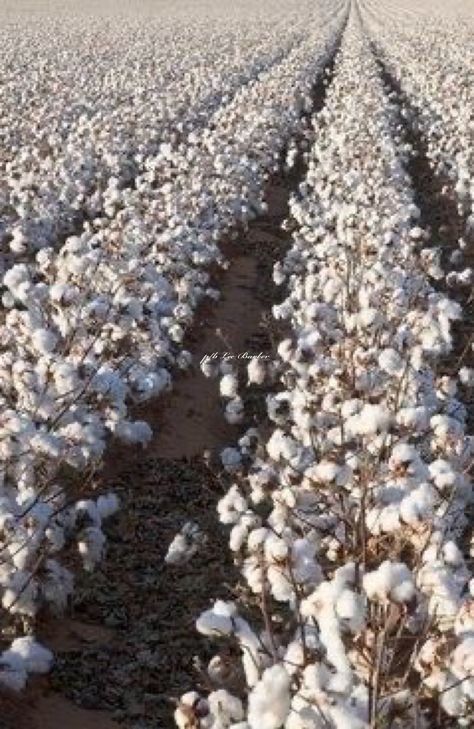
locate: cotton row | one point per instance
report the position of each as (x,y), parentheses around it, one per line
(348,522)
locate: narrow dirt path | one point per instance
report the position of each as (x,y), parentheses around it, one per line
(124,655)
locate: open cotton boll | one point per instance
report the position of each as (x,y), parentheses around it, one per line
(86,511)
(135,432)
(452,698)
(231,459)
(256,371)
(418,505)
(269,701)
(350,607)
(209,368)
(20,594)
(392,581)
(36,658)
(15,276)
(417,418)
(225,708)
(234,411)
(280,445)
(231,506)
(108,505)
(44,341)
(371,419)
(229,386)
(185,544)
(91,547)
(191,709)
(391,362)
(466,376)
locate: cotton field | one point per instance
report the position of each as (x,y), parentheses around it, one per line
(237,363)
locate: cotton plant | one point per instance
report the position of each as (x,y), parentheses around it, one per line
(349,520)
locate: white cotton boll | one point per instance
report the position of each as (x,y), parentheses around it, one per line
(391,362)
(19,241)
(257,538)
(403,592)
(403,455)
(279,275)
(350,607)
(305,568)
(91,547)
(294,658)
(225,707)
(285,350)
(466,376)
(218,620)
(209,368)
(452,699)
(15,276)
(276,548)
(133,433)
(391,581)
(280,445)
(443,473)
(269,701)
(229,386)
(417,418)
(190,709)
(369,318)
(56,585)
(88,511)
(390,518)
(44,341)
(107,505)
(372,419)
(47,444)
(418,505)
(234,411)
(185,544)
(20,594)
(237,537)
(452,554)
(36,658)
(231,506)
(280,585)
(176,333)
(231,459)
(256,371)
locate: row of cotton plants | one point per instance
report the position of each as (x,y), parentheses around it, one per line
(83,124)
(99,323)
(348,520)
(433,61)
